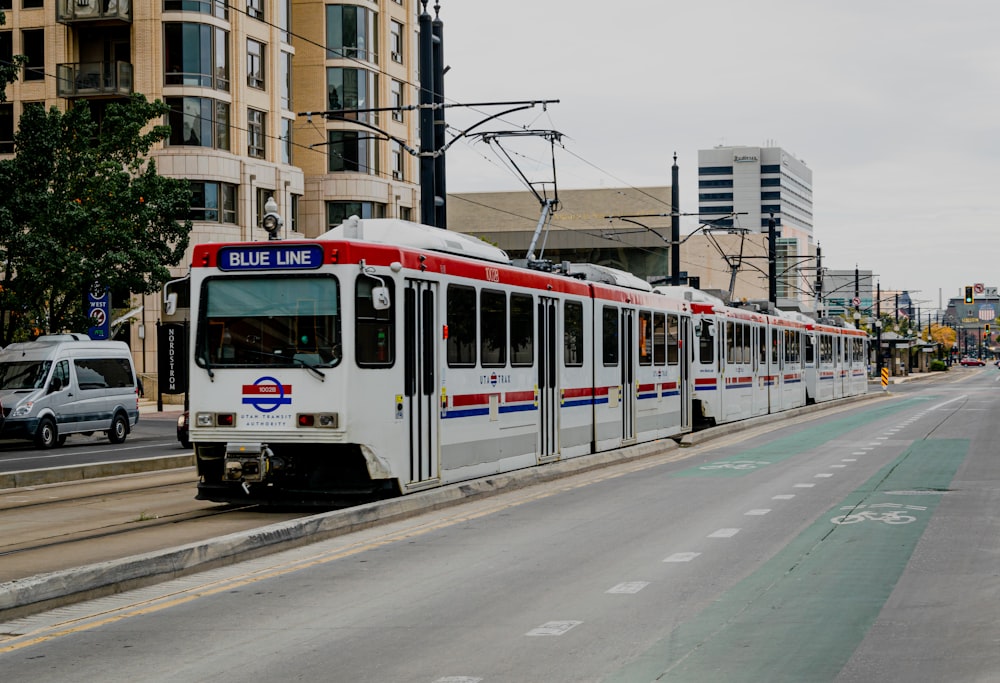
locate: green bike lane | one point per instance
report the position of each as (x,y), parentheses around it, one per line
(803,613)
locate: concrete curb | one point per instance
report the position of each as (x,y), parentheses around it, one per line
(97,470)
(46,591)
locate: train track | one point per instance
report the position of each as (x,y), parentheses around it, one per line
(56,527)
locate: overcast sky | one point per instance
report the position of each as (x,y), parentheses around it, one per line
(893,104)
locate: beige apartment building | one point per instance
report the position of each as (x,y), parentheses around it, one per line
(238,78)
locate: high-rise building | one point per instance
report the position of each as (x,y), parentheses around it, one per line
(746,188)
(238,78)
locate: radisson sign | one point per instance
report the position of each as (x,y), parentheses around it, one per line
(744,158)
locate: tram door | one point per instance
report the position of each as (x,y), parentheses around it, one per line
(421,381)
(548,379)
(684,378)
(628,353)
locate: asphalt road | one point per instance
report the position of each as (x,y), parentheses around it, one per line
(853,545)
(154,435)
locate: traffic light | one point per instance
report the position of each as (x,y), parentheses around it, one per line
(987,328)
(969,298)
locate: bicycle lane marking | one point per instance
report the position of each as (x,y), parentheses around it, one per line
(805,611)
(753,459)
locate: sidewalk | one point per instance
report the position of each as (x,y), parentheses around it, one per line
(147,407)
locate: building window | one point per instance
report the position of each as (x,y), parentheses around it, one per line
(293,212)
(263,194)
(217,8)
(350,89)
(771,168)
(285,82)
(196,54)
(405,213)
(198,121)
(352,151)
(6,128)
(33,44)
(255,133)
(397,161)
(213,202)
(396,41)
(6,4)
(338,212)
(255,9)
(396,96)
(7,46)
(32,4)
(351,33)
(255,64)
(715,170)
(285,19)
(286,141)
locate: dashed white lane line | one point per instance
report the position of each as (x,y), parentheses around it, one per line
(849,460)
(723,533)
(783,496)
(553,628)
(822,475)
(837,466)
(804,486)
(459,679)
(756,513)
(681,557)
(629,587)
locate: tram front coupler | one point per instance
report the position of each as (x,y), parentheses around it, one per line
(249,462)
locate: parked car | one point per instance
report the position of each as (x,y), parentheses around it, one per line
(182,430)
(972,361)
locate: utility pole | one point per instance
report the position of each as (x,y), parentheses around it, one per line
(428,185)
(819,281)
(857,294)
(878,327)
(440,189)
(675,225)
(772,263)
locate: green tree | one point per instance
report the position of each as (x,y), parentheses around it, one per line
(81,203)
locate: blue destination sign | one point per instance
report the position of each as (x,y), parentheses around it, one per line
(271,257)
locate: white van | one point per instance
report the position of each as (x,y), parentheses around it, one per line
(65,384)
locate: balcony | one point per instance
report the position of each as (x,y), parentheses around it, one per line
(89,79)
(92,11)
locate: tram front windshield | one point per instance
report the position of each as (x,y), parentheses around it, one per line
(269,322)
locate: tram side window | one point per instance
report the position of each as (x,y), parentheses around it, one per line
(825,348)
(792,356)
(609,335)
(730,343)
(775,336)
(673,340)
(659,339)
(762,345)
(493,328)
(645,331)
(461,326)
(522,330)
(810,350)
(706,344)
(573,333)
(374,345)
(745,343)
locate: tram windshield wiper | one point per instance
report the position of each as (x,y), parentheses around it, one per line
(291,359)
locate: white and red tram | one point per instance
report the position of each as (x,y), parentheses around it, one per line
(386,357)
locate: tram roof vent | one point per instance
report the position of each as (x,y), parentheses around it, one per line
(689,294)
(608,275)
(402,233)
